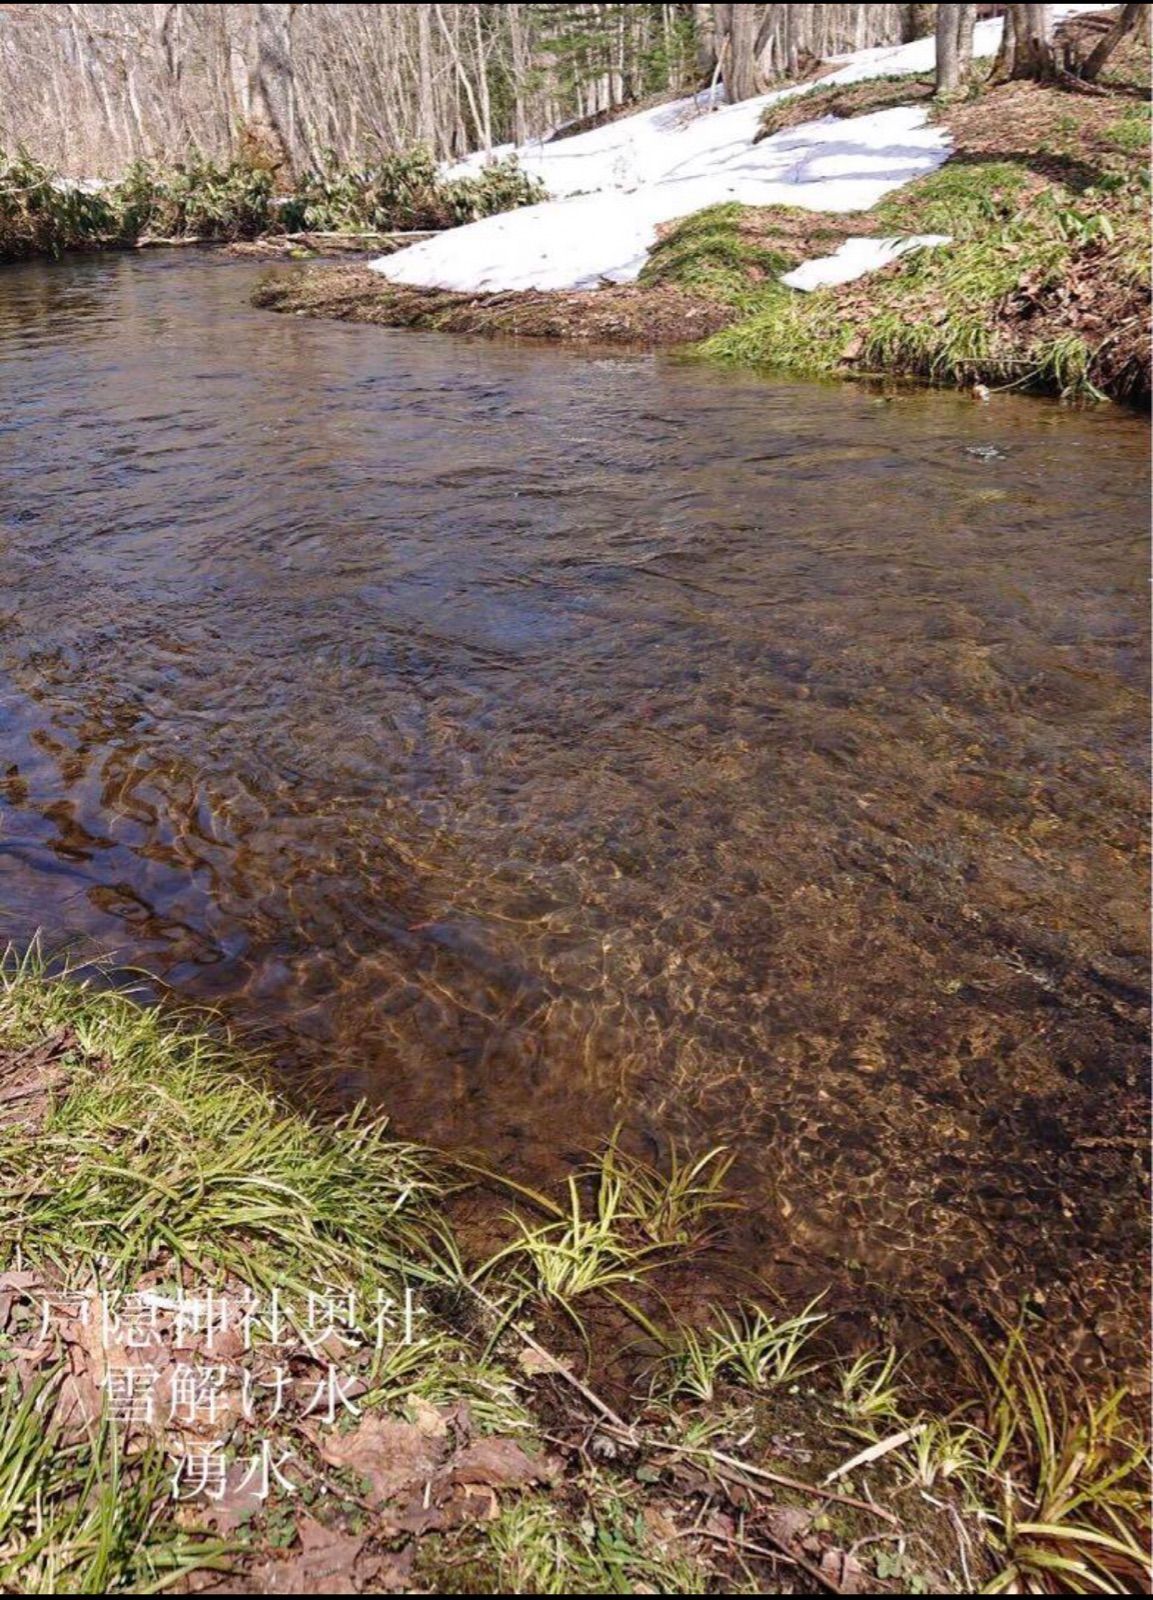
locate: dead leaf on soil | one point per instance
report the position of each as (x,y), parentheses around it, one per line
(788,1525)
(534,1362)
(501,1464)
(395,1457)
(325,1563)
(846,1573)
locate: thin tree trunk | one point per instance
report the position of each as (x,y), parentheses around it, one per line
(1125,24)
(1007,49)
(966,22)
(462,75)
(948,55)
(426,110)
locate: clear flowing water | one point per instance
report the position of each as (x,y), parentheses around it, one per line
(531,740)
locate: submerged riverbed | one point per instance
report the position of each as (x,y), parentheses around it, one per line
(538,739)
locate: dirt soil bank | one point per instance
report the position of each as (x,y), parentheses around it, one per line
(623,314)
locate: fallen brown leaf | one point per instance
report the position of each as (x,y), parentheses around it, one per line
(325,1563)
(395,1457)
(846,1573)
(501,1464)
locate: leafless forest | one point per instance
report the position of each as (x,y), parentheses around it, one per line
(90,88)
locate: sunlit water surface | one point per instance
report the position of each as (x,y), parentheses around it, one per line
(533,740)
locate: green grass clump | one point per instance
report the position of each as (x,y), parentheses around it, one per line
(165,1147)
(963,199)
(624,1220)
(1071,1486)
(1130,132)
(672,1209)
(708,253)
(750,1349)
(73,1520)
(963,312)
(806,333)
(195,198)
(536,1549)
(404,191)
(39,216)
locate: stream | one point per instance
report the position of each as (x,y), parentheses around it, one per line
(532,740)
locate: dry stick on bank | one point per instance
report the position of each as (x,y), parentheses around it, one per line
(638,1439)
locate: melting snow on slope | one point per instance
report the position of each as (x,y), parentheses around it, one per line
(831,165)
(857,256)
(614,186)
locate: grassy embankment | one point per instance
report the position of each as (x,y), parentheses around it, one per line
(201,201)
(1045,286)
(1046,283)
(463,1452)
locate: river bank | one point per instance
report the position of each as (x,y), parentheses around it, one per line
(1043,287)
(306,1375)
(199,202)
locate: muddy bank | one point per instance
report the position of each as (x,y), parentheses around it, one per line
(623,314)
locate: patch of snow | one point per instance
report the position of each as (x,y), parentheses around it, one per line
(830,165)
(856,256)
(613,186)
(920,56)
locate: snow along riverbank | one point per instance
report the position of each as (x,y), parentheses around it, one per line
(614,186)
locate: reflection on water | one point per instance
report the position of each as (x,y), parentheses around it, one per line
(537,739)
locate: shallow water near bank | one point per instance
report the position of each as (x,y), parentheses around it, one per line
(538,739)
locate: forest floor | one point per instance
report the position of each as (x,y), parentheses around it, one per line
(1044,285)
(246,1351)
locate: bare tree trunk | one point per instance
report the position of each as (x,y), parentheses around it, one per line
(1125,24)
(948,56)
(1033,55)
(705,34)
(966,22)
(273,94)
(426,111)
(736,27)
(954,45)
(520,67)
(482,80)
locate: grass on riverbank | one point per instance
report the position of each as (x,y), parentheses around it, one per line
(1045,285)
(197,199)
(447,1439)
